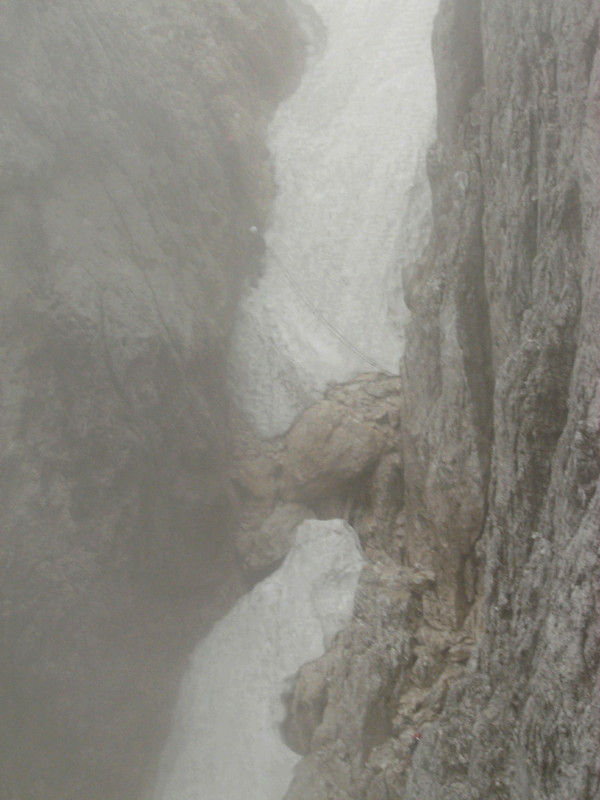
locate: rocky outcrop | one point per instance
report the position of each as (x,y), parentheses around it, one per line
(328,447)
(499,664)
(524,723)
(354,712)
(132,166)
(340,458)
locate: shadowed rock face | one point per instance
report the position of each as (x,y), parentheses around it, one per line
(132,166)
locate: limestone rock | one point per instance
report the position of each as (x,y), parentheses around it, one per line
(342,457)
(261,550)
(500,426)
(308,704)
(337,440)
(131,168)
(354,711)
(521,127)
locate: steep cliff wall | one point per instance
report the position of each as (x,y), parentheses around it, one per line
(500,429)
(447,369)
(526,148)
(132,165)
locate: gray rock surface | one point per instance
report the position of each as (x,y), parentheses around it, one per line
(132,165)
(262,549)
(340,457)
(446,410)
(353,713)
(500,430)
(525,723)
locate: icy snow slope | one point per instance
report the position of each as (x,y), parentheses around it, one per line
(352,207)
(225,743)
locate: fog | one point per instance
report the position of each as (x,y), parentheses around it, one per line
(135,185)
(352,208)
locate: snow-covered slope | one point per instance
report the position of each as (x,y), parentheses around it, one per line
(225,743)
(352,207)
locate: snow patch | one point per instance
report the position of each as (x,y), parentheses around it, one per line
(225,743)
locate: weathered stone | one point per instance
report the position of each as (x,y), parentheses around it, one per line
(326,449)
(500,428)
(354,711)
(522,723)
(131,168)
(258,476)
(261,550)
(308,704)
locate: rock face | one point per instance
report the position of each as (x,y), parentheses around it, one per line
(131,172)
(524,724)
(386,673)
(500,443)
(447,370)
(340,459)
(132,166)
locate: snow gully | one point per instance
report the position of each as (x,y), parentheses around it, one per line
(352,208)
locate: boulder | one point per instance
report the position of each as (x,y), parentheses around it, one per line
(327,448)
